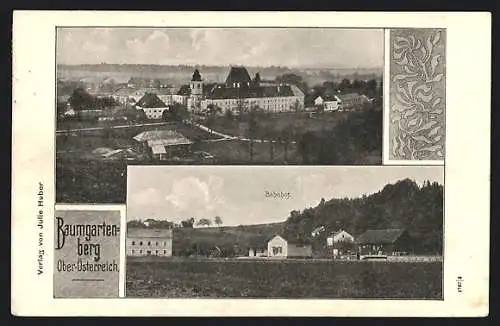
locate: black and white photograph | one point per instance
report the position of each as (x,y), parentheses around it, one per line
(300,232)
(212,96)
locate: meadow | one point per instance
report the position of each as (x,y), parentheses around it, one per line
(190,278)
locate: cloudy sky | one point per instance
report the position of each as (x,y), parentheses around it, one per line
(237,194)
(299,47)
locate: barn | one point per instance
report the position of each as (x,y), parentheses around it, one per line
(163,144)
(385,242)
(149,242)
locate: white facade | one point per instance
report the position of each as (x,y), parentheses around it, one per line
(318,101)
(181,99)
(153,113)
(257,252)
(341,236)
(268,104)
(147,242)
(277,247)
(331,105)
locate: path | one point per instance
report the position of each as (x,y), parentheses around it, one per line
(229,137)
(112,127)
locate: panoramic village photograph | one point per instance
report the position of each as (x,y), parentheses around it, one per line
(300,232)
(212,96)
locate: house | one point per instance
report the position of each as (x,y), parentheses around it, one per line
(340,242)
(385,242)
(258,247)
(327,102)
(339,236)
(152,106)
(162,144)
(351,100)
(149,242)
(279,247)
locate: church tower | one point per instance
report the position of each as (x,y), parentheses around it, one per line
(196,87)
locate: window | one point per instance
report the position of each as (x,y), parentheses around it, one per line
(140,251)
(156,252)
(140,244)
(165,243)
(149,243)
(133,243)
(133,251)
(156,243)
(164,252)
(277,250)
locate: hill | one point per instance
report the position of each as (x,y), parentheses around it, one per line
(182,74)
(401,205)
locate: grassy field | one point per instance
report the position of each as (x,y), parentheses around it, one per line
(185,278)
(121,138)
(272,126)
(242,152)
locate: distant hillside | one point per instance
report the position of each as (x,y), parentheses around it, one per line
(400,205)
(235,239)
(182,74)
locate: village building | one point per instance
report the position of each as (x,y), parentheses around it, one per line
(328,102)
(340,243)
(239,93)
(351,101)
(149,242)
(339,236)
(389,242)
(279,247)
(152,106)
(128,95)
(162,144)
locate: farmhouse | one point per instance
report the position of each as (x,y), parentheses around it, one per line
(385,242)
(152,106)
(163,144)
(149,242)
(338,237)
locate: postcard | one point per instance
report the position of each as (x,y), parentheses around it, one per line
(250,164)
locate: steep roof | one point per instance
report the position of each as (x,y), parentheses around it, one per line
(238,75)
(150,100)
(223,92)
(196,75)
(380,236)
(149,233)
(184,90)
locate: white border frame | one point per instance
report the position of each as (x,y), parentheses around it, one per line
(467,164)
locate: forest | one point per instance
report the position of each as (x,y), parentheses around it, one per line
(404,204)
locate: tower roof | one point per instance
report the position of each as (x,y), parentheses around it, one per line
(238,75)
(196,76)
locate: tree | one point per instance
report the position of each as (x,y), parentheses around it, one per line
(188,223)
(218,221)
(293,79)
(204,222)
(81,100)
(135,224)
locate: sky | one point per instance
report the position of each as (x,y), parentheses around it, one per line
(237,194)
(291,47)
